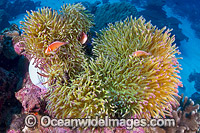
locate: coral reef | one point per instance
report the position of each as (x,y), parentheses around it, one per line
(195,97)
(186,117)
(134,73)
(154,12)
(10,60)
(12,67)
(92,7)
(189,11)
(110,13)
(8,103)
(105,1)
(30,96)
(9,35)
(195,76)
(11,9)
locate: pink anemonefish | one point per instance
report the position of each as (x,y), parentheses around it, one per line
(83,38)
(140,53)
(54,46)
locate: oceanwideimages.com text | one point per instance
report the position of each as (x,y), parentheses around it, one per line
(46,121)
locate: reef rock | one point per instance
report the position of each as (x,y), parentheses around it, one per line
(20,6)
(196,97)
(189,10)
(8,103)
(92,7)
(30,96)
(186,116)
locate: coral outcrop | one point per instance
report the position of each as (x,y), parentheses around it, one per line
(195,97)
(188,11)
(154,12)
(10,60)
(134,73)
(195,76)
(8,103)
(110,13)
(92,7)
(10,9)
(30,96)
(12,69)
(187,118)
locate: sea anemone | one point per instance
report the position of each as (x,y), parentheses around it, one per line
(45,26)
(142,86)
(84,97)
(118,83)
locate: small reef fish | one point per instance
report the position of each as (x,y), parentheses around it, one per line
(35,113)
(54,46)
(83,38)
(140,53)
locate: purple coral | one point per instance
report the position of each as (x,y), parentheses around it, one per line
(17,123)
(30,96)
(19,48)
(186,116)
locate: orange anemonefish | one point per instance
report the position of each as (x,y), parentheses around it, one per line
(83,38)
(140,53)
(54,46)
(36,113)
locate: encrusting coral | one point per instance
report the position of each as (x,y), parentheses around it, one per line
(43,27)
